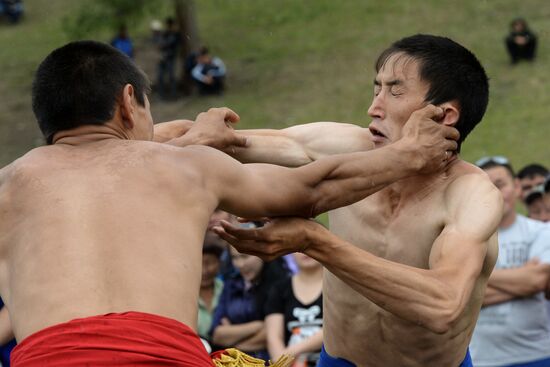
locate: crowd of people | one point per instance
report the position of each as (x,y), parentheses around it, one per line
(117,235)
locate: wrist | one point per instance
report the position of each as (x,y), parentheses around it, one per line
(408,159)
(314,238)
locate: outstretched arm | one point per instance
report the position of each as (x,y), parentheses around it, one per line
(302,144)
(216,133)
(335,181)
(433,297)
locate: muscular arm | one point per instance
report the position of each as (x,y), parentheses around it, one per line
(433,297)
(302,144)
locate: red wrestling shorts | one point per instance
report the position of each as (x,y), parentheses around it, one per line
(115,339)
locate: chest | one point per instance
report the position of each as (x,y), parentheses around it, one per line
(400,232)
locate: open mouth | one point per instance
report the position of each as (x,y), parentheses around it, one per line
(375,132)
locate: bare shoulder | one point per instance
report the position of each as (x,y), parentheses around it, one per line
(472,199)
(195,161)
(467,179)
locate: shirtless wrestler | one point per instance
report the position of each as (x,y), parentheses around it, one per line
(407,266)
(101,229)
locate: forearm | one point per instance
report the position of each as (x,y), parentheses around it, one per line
(273,147)
(417,295)
(342,180)
(229,335)
(302,144)
(494,296)
(163,132)
(254,343)
(275,347)
(522,281)
(311,344)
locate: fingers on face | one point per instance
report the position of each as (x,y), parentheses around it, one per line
(431,111)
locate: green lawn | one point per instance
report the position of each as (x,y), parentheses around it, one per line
(299,61)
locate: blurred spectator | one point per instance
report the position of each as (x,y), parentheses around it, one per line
(536,208)
(7,340)
(12,10)
(513,326)
(238,319)
(156,31)
(294,320)
(209,73)
(211,287)
(521,42)
(531,176)
(123,43)
(168,44)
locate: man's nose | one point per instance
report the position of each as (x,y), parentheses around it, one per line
(376,109)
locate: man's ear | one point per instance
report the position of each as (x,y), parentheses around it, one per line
(127,106)
(451,113)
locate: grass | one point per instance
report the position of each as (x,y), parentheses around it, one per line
(293,61)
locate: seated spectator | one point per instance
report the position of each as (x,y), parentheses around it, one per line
(521,42)
(123,43)
(208,73)
(294,320)
(12,10)
(531,176)
(168,44)
(238,319)
(211,288)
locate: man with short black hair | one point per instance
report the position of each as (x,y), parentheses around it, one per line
(513,326)
(531,176)
(102,229)
(407,266)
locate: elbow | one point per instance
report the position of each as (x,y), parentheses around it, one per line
(443,320)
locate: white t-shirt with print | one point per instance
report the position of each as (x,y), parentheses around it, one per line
(517,331)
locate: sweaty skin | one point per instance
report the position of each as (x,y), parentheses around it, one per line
(106,220)
(407,267)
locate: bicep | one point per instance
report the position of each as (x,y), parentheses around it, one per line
(466,247)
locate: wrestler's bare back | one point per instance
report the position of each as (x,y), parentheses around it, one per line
(400,228)
(104,227)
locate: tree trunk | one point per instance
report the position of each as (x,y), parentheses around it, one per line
(187,21)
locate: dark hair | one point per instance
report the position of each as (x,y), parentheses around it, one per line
(215,248)
(453,73)
(78,84)
(203,51)
(521,21)
(493,164)
(532,170)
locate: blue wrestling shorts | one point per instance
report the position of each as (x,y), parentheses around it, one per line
(325,360)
